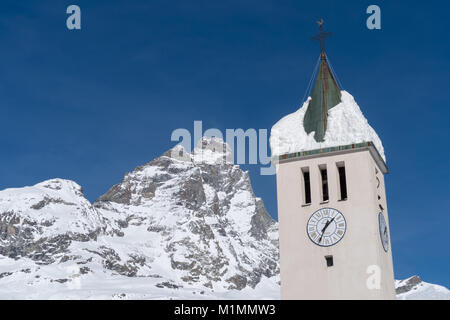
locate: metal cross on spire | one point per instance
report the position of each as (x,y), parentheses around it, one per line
(321,36)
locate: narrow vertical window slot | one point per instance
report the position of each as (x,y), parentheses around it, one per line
(342,181)
(324,178)
(329,260)
(306,186)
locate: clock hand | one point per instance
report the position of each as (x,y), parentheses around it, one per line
(325,228)
(326,225)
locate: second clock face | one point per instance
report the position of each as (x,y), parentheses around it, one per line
(326,227)
(384,234)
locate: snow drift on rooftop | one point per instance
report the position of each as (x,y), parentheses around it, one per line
(346,125)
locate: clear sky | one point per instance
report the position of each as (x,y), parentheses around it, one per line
(93,104)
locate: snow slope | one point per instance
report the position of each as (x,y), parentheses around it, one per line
(415,289)
(346,125)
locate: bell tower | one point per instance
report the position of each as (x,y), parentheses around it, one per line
(332,209)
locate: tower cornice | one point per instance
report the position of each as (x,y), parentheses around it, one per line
(354,147)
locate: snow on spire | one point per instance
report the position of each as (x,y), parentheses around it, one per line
(346,125)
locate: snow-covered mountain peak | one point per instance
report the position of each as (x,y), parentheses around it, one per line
(209,150)
(212,150)
(346,125)
(63,186)
(55,196)
(40,221)
(414,288)
(202,211)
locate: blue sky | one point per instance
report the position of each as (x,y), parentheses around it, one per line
(91,105)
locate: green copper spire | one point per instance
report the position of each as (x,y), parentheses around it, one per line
(325,94)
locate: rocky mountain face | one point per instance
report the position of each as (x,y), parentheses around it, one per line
(182,224)
(41,222)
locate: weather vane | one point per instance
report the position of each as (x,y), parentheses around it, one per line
(321,36)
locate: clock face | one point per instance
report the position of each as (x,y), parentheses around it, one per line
(326,227)
(384,233)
